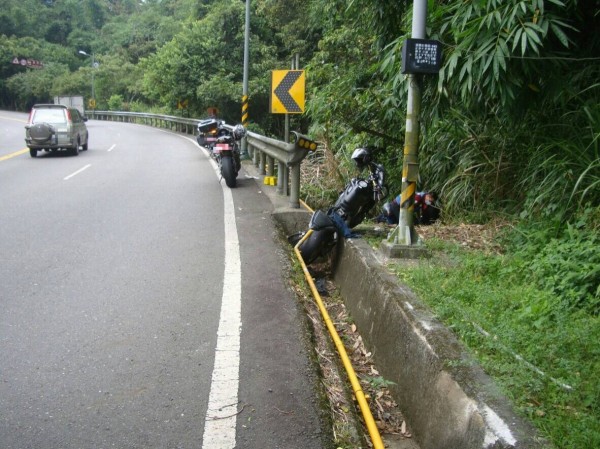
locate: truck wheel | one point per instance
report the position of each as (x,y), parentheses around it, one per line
(33,152)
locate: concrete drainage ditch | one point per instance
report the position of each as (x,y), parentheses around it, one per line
(447,399)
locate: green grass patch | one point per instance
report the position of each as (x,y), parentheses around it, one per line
(540,345)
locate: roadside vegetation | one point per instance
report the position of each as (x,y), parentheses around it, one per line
(509,133)
(529,314)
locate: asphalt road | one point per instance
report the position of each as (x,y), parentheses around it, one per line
(116,330)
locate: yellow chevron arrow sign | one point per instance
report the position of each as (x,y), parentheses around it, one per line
(287,91)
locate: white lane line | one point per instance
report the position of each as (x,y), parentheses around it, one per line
(77,172)
(112,147)
(221,416)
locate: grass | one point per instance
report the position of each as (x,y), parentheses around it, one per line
(546,362)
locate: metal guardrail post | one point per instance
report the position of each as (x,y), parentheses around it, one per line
(263,163)
(295,181)
(270,166)
(286,181)
(281,177)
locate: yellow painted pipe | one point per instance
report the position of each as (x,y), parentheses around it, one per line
(306,206)
(356,388)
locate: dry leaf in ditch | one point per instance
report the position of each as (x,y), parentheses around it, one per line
(403,430)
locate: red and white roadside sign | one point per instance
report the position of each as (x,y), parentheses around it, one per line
(28,62)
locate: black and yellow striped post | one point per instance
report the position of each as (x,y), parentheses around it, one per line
(405,233)
(410,174)
(245,154)
(245,110)
(244,151)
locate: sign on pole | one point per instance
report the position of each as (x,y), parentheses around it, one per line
(287,91)
(421,56)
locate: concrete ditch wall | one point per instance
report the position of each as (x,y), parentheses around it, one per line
(446,398)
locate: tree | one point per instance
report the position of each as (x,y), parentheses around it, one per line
(18,18)
(204,62)
(34,86)
(520,67)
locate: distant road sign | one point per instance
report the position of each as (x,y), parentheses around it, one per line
(28,62)
(287,91)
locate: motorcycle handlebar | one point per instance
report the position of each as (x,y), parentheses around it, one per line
(378,174)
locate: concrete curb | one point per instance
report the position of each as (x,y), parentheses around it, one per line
(447,399)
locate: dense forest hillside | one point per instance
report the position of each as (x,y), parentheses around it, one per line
(510,127)
(510,123)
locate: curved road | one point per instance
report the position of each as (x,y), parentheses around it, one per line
(116,330)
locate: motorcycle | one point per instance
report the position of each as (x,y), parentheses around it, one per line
(224,147)
(208,130)
(357,199)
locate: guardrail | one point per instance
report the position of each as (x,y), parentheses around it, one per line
(263,150)
(178,124)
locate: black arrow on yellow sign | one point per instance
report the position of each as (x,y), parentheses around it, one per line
(288,92)
(282,91)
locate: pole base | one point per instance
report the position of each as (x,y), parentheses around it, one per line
(400,251)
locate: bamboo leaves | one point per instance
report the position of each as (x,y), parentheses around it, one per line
(493,46)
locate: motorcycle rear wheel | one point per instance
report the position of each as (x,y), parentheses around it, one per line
(228,171)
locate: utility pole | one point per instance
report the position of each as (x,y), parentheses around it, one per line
(245,87)
(405,233)
(92,101)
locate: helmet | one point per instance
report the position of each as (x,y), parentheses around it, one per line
(361,157)
(239,132)
(391,211)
